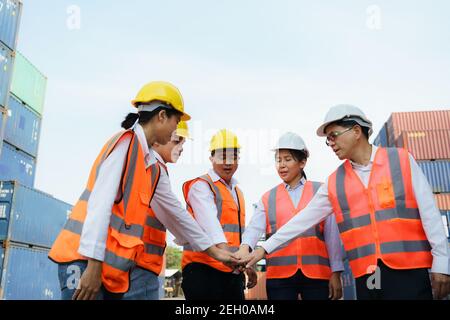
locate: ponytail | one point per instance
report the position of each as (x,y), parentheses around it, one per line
(130,119)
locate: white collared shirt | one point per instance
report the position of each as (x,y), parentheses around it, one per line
(258,224)
(320,207)
(201,199)
(168,210)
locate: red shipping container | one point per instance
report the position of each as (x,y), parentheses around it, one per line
(415,121)
(443,201)
(258,292)
(426,144)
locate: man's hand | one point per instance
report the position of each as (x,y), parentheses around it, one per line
(90,282)
(252,278)
(251,259)
(441,285)
(335,286)
(222,255)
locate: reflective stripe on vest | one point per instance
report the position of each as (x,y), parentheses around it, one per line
(127,221)
(400,215)
(230,214)
(310,247)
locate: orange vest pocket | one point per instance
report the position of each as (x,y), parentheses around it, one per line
(386,196)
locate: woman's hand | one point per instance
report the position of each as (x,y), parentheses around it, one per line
(90,282)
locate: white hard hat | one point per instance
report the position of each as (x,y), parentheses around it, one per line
(345,112)
(292,141)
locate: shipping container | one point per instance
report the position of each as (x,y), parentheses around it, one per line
(3,117)
(23,126)
(258,292)
(416,121)
(437,173)
(2,257)
(426,144)
(6,70)
(17,165)
(443,201)
(28,83)
(381,139)
(28,274)
(10,12)
(30,216)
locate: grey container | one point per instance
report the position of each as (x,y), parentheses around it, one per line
(30,216)
(6,69)
(17,165)
(10,14)
(28,274)
(23,126)
(438,174)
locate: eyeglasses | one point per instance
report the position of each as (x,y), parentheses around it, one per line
(334,134)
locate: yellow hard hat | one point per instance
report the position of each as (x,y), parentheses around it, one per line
(224,139)
(161,91)
(182,130)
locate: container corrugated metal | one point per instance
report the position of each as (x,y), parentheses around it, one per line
(415,121)
(28,83)
(381,139)
(2,257)
(17,165)
(10,12)
(258,292)
(31,216)
(28,274)
(443,201)
(437,173)
(6,70)
(426,144)
(23,126)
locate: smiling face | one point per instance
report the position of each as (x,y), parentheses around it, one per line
(288,167)
(225,163)
(343,144)
(171,151)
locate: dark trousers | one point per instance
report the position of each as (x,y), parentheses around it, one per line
(394,284)
(202,282)
(290,288)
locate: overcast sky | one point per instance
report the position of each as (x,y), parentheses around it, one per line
(259,68)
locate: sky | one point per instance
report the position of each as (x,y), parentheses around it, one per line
(259,68)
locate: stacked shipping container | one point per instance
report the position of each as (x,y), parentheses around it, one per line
(30,220)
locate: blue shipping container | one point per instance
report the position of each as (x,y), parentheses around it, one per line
(10,12)
(17,165)
(2,257)
(28,274)
(381,139)
(3,117)
(23,126)
(29,215)
(6,68)
(438,174)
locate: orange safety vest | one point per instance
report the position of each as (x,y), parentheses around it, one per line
(383,220)
(307,252)
(126,243)
(230,216)
(152,258)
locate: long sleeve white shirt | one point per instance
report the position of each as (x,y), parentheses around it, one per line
(320,207)
(257,227)
(167,208)
(201,199)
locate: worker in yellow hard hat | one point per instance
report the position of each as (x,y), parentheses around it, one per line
(218,206)
(113,243)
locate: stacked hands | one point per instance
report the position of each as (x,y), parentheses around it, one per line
(244,261)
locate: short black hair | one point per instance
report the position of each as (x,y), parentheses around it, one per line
(350,124)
